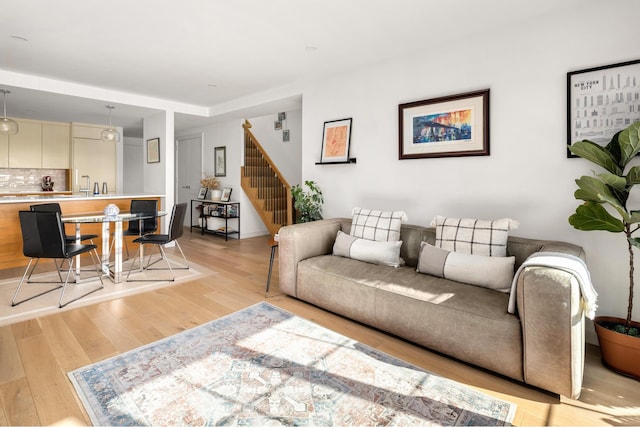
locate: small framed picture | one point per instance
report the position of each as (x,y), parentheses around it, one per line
(153,150)
(277,125)
(282,116)
(335,141)
(285,135)
(226,195)
(220,158)
(203,193)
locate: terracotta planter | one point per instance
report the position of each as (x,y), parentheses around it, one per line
(620,352)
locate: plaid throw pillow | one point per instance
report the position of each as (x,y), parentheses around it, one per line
(377,225)
(473,236)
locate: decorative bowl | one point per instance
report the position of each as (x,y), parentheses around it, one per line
(111,210)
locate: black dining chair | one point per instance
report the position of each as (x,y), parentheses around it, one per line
(149,225)
(55,207)
(43,237)
(176,228)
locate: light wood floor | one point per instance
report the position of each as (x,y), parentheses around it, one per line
(36,355)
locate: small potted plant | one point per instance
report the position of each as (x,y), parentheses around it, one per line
(605,208)
(307,202)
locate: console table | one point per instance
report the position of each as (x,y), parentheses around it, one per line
(210,215)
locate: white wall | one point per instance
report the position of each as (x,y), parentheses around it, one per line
(527,176)
(286,155)
(132,172)
(229,134)
(159,177)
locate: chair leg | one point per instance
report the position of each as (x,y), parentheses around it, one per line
(96,264)
(55,262)
(163,256)
(27,274)
(184,266)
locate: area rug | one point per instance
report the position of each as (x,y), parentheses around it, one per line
(48,303)
(264,366)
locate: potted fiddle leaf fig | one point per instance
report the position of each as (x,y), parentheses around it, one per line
(307,202)
(605,197)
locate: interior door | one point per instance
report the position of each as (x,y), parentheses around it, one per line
(188,171)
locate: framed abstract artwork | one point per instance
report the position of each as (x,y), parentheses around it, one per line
(448,126)
(336,139)
(602,101)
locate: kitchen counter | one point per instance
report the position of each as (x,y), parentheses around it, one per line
(11,248)
(61,196)
(33,193)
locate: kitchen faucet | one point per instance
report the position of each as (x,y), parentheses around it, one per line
(87,189)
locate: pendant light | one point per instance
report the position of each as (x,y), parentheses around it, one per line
(110,134)
(7,126)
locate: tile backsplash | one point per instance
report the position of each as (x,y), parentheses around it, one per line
(19,180)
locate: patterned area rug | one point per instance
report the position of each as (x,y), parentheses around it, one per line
(265,366)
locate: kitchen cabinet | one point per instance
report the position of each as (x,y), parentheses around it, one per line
(56,145)
(96,158)
(37,145)
(87,131)
(4,151)
(25,147)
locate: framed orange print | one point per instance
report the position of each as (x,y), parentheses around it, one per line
(335,141)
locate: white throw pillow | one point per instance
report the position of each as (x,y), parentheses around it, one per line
(377,225)
(489,272)
(473,236)
(386,253)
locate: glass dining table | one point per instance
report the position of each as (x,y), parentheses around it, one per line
(113,271)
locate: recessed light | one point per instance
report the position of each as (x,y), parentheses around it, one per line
(212,85)
(18,37)
(310,48)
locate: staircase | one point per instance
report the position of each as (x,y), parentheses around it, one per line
(264,185)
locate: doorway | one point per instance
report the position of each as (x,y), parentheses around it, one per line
(188,170)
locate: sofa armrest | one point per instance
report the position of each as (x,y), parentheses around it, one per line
(549,305)
(301,241)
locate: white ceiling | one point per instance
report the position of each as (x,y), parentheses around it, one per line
(203,53)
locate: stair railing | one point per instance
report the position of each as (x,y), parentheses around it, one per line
(264,184)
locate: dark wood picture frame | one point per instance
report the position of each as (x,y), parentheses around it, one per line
(448,126)
(601,101)
(220,161)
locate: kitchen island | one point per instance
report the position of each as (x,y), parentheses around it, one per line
(11,236)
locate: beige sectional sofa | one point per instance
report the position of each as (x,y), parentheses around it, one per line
(541,345)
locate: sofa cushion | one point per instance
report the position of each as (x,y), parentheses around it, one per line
(473,236)
(377,225)
(489,272)
(387,253)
